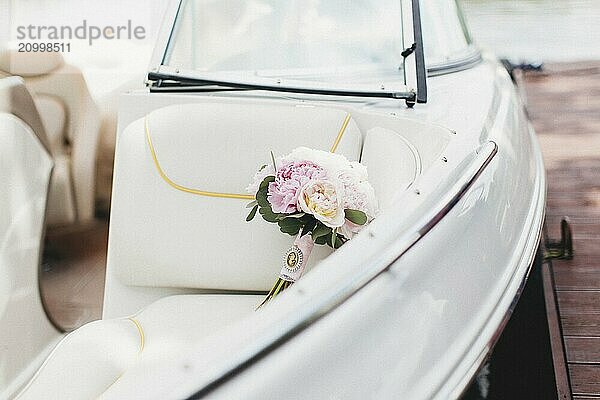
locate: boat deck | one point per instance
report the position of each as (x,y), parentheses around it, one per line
(564,105)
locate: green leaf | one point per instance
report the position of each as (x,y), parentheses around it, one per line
(291,226)
(261,199)
(261,195)
(268,214)
(332,239)
(251,204)
(266,181)
(299,215)
(252,214)
(320,231)
(322,240)
(339,241)
(356,217)
(309,225)
(273,161)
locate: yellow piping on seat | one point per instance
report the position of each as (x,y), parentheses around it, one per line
(183,188)
(217,194)
(142,341)
(141,331)
(340,134)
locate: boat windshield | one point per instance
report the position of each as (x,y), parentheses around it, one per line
(324,41)
(348,45)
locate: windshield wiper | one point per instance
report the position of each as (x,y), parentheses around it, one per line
(160,82)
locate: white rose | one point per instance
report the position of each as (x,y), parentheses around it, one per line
(323,200)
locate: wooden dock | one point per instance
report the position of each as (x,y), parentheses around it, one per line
(564,106)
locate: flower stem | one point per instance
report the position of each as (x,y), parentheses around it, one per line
(279,286)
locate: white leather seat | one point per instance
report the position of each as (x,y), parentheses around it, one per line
(72,123)
(393,163)
(167,236)
(26,334)
(91,359)
(52,112)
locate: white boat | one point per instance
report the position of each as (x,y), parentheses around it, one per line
(410,308)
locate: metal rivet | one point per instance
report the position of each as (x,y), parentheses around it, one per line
(382,87)
(176,71)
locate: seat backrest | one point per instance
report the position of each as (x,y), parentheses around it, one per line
(26,334)
(48,77)
(17,100)
(164,235)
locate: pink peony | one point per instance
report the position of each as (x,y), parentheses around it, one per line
(290,178)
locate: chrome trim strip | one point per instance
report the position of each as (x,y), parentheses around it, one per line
(527,258)
(321,306)
(471,59)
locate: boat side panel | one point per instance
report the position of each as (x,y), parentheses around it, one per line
(426,324)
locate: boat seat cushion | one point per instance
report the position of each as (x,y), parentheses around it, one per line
(162,236)
(28,64)
(393,164)
(92,358)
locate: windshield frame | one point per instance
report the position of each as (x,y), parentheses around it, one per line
(413,90)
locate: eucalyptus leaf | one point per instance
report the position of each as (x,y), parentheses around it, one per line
(291,226)
(338,242)
(268,214)
(261,198)
(321,240)
(252,214)
(309,226)
(356,217)
(300,215)
(320,231)
(265,182)
(273,161)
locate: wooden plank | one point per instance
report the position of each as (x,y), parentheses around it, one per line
(581,325)
(585,379)
(579,312)
(561,373)
(579,302)
(583,349)
(577,275)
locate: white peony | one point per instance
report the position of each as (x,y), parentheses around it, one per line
(332,163)
(323,199)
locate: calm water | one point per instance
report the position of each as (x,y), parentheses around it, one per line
(544,30)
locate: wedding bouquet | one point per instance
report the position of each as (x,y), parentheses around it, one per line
(318,197)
